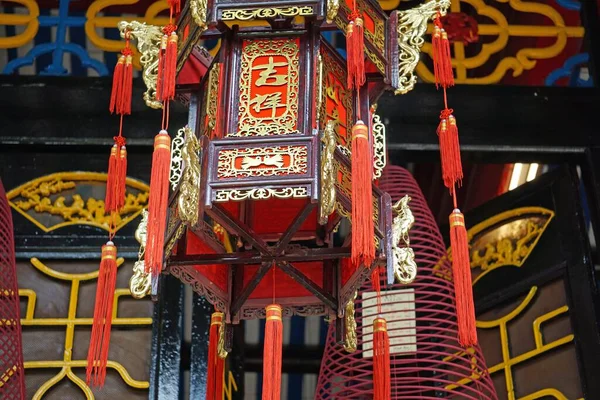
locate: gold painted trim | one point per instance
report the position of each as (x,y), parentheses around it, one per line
(58,179)
(266,13)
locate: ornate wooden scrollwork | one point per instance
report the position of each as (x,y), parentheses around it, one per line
(405,267)
(379,149)
(412,25)
(148,44)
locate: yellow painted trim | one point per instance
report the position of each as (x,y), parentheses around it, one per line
(30,20)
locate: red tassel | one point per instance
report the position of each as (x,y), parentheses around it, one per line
(461,270)
(442,58)
(272,354)
(121,178)
(117,85)
(175,5)
(127,90)
(102,322)
(355,52)
(363,246)
(450,150)
(168,65)
(161,67)
(216,365)
(110,204)
(382,389)
(157,204)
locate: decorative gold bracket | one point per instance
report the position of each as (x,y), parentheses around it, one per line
(176,159)
(405,267)
(198,10)
(412,25)
(350,340)
(333,7)
(140,282)
(189,192)
(379,147)
(328,173)
(148,44)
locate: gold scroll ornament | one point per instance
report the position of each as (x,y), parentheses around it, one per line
(333,7)
(265,13)
(198,10)
(140,281)
(412,25)
(328,173)
(350,339)
(148,44)
(405,267)
(379,146)
(189,191)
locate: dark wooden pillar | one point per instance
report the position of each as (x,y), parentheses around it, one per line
(167,335)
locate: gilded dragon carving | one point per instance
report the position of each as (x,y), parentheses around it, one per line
(140,282)
(405,267)
(412,25)
(350,339)
(333,7)
(148,44)
(189,195)
(328,173)
(198,10)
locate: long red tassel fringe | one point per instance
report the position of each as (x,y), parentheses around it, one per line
(167,65)
(382,388)
(110,204)
(461,271)
(216,365)
(363,246)
(272,354)
(157,204)
(100,340)
(442,58)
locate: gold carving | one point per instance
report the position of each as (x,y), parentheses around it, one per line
(379,148)
(148,44)
(328,173)
(260,194)
(262,161)
(211,100)
(333,7)
(221,352)
(140,281)
(376,60)
(412,25)
(405,267)
(350,339)
(251,125)
(265,13)
(198,10)
(189,192)
(176,159)
(58,200)
(169,247)
(506,239)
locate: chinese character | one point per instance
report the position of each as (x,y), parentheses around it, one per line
(267,101)
(269,75)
